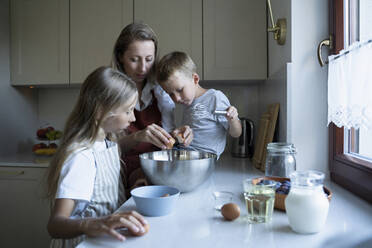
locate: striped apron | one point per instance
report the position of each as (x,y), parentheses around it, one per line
(108,193)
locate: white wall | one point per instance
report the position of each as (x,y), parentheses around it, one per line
(307,85)
(18,106)
(55,104)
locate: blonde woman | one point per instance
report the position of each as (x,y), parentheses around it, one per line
(135,54)
(84,179)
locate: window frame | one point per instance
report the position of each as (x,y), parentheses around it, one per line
(350,172)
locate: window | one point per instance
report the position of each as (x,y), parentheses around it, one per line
(351,150)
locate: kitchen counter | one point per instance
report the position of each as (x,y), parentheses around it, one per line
(195,223)
(24,160)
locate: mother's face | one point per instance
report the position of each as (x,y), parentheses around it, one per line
(138,60)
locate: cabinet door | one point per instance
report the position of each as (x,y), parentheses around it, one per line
(95,26)
(178,25)
(24,212)
(235,40)
(39,42)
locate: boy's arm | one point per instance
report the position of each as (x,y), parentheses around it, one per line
(235,129)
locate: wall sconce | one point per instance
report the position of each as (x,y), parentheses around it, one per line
(279,29)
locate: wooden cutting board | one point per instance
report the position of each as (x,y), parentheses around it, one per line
(265,135)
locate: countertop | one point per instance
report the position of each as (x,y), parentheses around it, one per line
(195,223)
(24,160)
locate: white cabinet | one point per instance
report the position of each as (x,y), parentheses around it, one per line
(61,42)
(94,28)
(39,42)
(234,39)
(24,211)
(177,24)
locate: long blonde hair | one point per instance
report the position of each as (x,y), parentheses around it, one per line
(136,31)
(103,90)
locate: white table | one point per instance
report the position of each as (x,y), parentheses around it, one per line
(194,223)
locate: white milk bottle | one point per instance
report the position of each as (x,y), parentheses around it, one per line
(306,204)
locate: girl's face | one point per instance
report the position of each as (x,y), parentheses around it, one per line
(138,60)
(120,118)
(182,88)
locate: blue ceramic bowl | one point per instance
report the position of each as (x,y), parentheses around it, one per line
(150,200)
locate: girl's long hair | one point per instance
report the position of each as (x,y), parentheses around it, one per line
(103,90)
(136,31)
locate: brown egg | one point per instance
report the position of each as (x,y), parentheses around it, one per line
(171,143)
(165,195)
(147,228)
(230,211)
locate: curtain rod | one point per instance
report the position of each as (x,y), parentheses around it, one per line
(344,52)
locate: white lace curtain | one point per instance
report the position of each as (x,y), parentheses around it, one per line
(350,86)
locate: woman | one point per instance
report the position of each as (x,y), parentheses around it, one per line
(135,54)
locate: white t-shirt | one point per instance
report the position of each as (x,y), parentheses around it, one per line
(77,176)
(165,104)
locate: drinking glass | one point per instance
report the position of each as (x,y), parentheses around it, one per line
(259,200)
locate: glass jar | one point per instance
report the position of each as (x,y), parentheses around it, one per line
(307,204)
(280,159)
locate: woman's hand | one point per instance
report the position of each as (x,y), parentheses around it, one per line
(155,135)
(186,132)
(107,225)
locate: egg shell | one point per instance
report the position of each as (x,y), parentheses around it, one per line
(230,211)
(171,143)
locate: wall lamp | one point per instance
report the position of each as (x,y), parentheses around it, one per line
(279,28)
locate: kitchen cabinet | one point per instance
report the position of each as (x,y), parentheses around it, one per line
(39,42)
(61,42)
(234,39)
(94,28)
(24,211)
(179,28)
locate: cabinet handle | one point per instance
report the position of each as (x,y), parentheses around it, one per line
(12,173)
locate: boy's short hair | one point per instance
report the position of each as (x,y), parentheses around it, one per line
(172,62)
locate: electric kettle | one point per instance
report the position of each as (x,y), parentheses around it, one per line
(242,146)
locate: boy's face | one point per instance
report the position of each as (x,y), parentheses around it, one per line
(181,88)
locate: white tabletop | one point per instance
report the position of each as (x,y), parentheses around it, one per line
(194,222)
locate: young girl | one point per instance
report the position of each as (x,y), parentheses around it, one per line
(84,177)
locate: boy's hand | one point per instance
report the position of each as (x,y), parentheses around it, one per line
(232,113)
(185,132)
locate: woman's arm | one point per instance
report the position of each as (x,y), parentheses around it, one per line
(60,224)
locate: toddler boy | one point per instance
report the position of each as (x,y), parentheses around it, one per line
(176,74)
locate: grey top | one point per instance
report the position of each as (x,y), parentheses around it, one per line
(209,130)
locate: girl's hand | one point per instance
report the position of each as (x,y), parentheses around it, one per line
(232,113)
(155,135)
(186,132)
(107,225)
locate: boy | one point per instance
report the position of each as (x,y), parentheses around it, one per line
(176,74)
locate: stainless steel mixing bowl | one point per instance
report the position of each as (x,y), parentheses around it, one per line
(183,169)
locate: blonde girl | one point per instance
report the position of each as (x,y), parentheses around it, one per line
(84,180)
